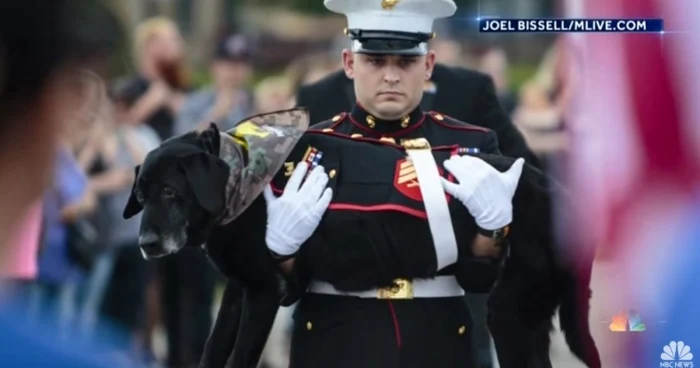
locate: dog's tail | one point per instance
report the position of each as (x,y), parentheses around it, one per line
(573,316)
(575,266)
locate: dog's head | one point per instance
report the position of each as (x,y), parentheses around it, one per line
(181,190)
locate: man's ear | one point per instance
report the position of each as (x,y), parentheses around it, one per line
(211,139)
(133,206)
(207,176)
(429,64)
(349,63)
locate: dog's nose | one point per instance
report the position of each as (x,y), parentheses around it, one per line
(148,241)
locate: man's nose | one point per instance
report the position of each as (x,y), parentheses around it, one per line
(391,75)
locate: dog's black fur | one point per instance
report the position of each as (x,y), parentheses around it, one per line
(180,188)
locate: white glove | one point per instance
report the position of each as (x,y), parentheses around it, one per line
(294,216)
(486,192)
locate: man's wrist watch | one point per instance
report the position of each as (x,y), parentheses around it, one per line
(280,258)
(498,234)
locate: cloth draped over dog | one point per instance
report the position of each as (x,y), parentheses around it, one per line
(255,149)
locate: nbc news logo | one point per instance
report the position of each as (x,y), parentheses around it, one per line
(676,354)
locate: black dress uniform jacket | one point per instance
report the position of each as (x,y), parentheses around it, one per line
(375,231)
(464,94)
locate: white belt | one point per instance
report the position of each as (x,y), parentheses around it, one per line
(438,287)
(434,200)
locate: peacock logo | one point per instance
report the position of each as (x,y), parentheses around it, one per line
(676,354)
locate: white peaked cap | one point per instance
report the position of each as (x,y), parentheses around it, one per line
(413,16)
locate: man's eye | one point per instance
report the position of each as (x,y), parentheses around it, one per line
(169,192)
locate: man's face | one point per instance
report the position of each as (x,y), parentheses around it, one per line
(230,74)
(388,86)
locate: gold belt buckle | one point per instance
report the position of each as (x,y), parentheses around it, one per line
(403,289)
(416,144)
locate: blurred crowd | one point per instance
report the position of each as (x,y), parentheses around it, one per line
(89,271)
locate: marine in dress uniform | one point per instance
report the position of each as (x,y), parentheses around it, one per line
(461,93)
(381,307)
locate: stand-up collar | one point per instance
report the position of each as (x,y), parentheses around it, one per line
(359,116)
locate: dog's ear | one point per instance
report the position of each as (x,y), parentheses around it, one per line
(210,139)
(207,176)
(132,205)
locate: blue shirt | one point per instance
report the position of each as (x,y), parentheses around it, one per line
(69,185)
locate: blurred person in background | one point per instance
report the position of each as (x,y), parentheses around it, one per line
(319,69)
(44,47)
(272,94)
(494,63)
(542,103)
(449,51)
(539,120)
(161,79)
(121,275)
(32,84)
(18,267)
(310,68)
(227,101)
(67,207)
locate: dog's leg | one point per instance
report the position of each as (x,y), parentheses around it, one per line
(258,314)
(223,336)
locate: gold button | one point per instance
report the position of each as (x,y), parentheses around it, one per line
(356,135)
(328,130)
(309,326)
(336,118)
(438,117)
(331,174)
(370,121)
(460,331)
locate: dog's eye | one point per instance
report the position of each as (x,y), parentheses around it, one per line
(139,195)
(169,192)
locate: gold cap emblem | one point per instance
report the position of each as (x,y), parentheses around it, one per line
(389,4)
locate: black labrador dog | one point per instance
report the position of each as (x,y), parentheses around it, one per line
(180,189)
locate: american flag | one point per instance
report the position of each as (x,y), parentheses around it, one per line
(635,158)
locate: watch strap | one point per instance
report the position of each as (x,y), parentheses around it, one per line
(497,234)
(281,258)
